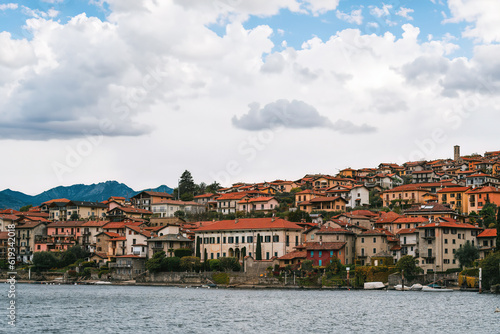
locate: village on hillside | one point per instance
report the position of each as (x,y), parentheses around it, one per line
(428,211)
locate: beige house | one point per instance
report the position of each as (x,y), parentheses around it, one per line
(439,240)
(89,232)
(369,244)
(145,199)
(258,204)
(169,207)
(26,235)
(73,210)
(238,238)
(168,243)
(324,203)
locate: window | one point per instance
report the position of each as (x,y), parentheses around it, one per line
(276,254)
(250,239)
(362,240)
(267,255)
(267,238)
(446,250)
(331,253)
(237,240)
(459,236)
(320,254)
(224,254)
(211,255)
(296,240)
(374,240)
(320,263)
(242,240)
(287,241)
(374,250)
(276,238)
(218,240)
(312,253)
(453,241)
(445,241)
(230,240)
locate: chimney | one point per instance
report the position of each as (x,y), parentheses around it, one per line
(273,219)
(236,221)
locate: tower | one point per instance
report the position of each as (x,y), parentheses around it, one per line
(456,152)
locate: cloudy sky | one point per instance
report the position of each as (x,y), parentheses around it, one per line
(236,90)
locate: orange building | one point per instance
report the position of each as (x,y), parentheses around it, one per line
(478,197)
(455,197)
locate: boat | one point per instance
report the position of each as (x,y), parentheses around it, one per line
(416,287)
(102,283)
(435,288)
(374,286)
(399,287)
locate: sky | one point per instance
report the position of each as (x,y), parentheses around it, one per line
(138,91)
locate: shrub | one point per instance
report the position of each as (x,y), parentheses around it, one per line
(87,264)
(229,264)
(182,252)
(103,272)
(87,272)
(220,278)
(214,265)
(171,264)
(72,273)
(44,260)
(190,263)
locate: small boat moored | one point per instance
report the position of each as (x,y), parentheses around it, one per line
(374,286)
(435,288)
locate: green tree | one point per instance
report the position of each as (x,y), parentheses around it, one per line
(488,214)
(181,252)
(409,264)
(215,265)
(498,230)
(79,252)
(375,199)
(190,263)
(179,214)
(334,267)
(213,188)
(25,208)
(67,259)
(170,264)
(491,269)
(74,216)
(467,254)
(44,260)
(229,264)
(154,264)
(258,249)
(298,215)
(306,265)
(187,187)
(198,248)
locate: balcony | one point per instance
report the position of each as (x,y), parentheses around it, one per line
(429,237)
(362,256)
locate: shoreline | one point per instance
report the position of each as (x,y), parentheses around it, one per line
(204,286)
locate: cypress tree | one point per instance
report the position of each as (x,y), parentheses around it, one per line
(198,244)
(498,230)
(258,249)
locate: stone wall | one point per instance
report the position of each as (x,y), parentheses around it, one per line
(256,268)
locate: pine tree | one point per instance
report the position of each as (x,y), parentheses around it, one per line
(187,187)
(258,249)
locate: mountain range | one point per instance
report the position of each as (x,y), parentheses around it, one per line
(78,192)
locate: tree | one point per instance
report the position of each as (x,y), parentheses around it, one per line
(466,254)
(408,264)
(306,265)
(190,263)
(67,259)
(25,208)
(488,214)
(154,264)
(74,216)
(258,249)
(187,187)
(213,188)
(170,264)
(491,270)
(215,265)
(44,260)
(79,252)
(298,215)
(229,264)
(498,230)
(198,244)
(375,199)
(179,214)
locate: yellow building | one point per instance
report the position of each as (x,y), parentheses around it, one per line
(455,197)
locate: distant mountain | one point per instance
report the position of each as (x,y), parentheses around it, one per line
(77,192)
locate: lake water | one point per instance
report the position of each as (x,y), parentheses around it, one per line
(148,309)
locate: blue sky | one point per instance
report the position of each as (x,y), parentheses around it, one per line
(240,91)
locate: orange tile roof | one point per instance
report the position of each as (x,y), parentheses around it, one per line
(232,196)
(58,200)
(404,220)
(450,224)
(257,199)
(94,223)
(66,224)
(8,217)
(453,189)
(204,195)
(478,190)
(129,209)
(488,233)
(249,224)
(294,255)
(407,231)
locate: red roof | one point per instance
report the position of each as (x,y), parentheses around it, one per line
(249,224)
(327,199)
(204,195)
(129,209)
(478,190)
(404,220)
(58,200)
(94,223)
(388,217)
(4,235)
(118,239)
(453,189)
(449,224)
(232,196)
(488,233)
(407,231)
(257,199)
(66,224)
(8,217)
(294,255)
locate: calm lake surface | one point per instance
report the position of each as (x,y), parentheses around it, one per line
(137,309)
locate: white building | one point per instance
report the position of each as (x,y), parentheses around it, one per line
(167,208)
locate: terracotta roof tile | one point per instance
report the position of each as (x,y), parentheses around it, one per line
(249,224)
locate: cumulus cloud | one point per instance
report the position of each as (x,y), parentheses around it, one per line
(382,11)
(405,12)
(481,14)
(425,69)
(356,16)
(275,63)
(293,115)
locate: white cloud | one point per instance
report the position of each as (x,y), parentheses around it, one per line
(482,17)
(8,6)
(385,10)
(356,16)
(405,12)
